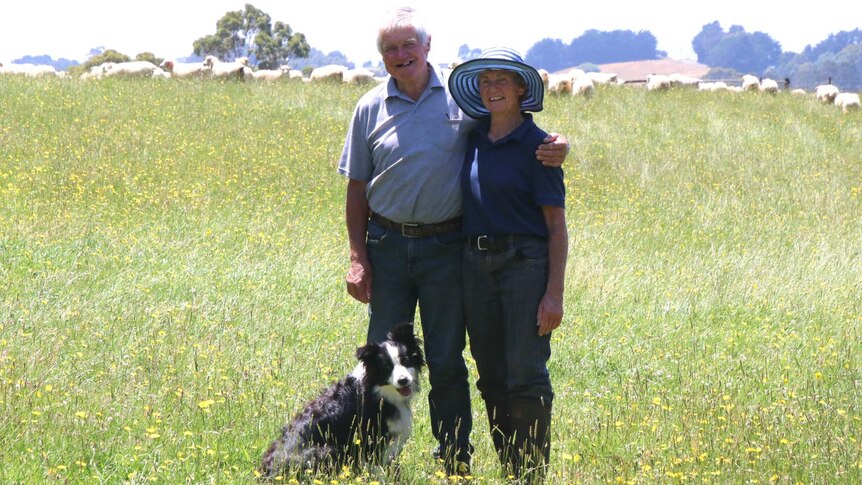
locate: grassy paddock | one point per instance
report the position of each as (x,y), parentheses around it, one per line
(171,284)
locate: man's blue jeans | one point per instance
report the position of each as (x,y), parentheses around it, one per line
(502,291)
(427,271)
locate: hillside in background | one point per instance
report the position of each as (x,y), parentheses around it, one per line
(641,69)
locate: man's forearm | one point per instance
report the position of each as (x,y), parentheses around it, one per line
(356,215)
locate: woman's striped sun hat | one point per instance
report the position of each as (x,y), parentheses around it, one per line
(464,85)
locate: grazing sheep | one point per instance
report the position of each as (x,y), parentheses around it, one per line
(750,83)
(559,84)
(95,72)
(716,86)
(237,69)
(847,101)
(602,78)
(798,92)
(359,76)
(657,82)
(826,93)
(583,86)
(29,70)
(544,75)
(682,81)
(129,69)
(160,73)
(576,73)
(186,69)
(271,74)
(769,86)
(331,72)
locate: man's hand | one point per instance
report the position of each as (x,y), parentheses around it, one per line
(553,151)
(359,281)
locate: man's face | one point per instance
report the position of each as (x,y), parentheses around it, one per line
(404,56)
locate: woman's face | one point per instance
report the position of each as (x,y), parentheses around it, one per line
(500,90)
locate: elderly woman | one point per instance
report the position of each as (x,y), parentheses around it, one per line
(515,255)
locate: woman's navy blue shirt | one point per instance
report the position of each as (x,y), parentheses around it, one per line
(505,186)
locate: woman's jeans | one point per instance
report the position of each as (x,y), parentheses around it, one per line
(502,291)
(428,271)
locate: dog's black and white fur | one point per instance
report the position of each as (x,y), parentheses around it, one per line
(363,419)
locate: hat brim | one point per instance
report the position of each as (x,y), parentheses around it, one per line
(464,85)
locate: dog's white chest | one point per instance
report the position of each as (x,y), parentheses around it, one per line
(400,428)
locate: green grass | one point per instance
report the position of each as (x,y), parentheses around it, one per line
(171,284)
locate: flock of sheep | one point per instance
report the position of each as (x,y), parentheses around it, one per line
(210,67)
(574,82)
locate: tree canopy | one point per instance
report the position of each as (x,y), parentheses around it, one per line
(838,59)
(251,33)
(595,47)
(736,49)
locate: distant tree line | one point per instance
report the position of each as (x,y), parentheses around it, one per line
(595,47)
(251,33)
(730,53)
(837,59)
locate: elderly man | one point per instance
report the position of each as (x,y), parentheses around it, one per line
(402,156)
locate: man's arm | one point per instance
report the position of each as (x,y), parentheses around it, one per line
(356,214)
(553,151)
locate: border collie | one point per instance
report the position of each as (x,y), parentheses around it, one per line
(363,419)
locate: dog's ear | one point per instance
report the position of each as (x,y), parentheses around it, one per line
(367,352)
(403,333)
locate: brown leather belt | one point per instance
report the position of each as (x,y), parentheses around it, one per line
(417,229)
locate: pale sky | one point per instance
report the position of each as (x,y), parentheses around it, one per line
(167,28)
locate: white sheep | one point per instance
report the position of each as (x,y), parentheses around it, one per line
(750,83)
(331,72)
(95,72)
(559,84)
(826,93)
(237,69)
(847,101)
(358,76)
(29,70)
(583,86)
(130,69)
(271,74)
(713,86)
(160,73)
(769,86)
(682,81)
(602,78)
(576,73)
(544,74)
(798,92)
(186,69)
(657,82)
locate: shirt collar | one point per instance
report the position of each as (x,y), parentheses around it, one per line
(515,136)
(434,82)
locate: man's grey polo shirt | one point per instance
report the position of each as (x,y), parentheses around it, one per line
(409,152)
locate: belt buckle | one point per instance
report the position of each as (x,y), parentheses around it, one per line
(409,225)
(479,243)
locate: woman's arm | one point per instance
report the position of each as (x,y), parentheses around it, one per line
(550,313)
